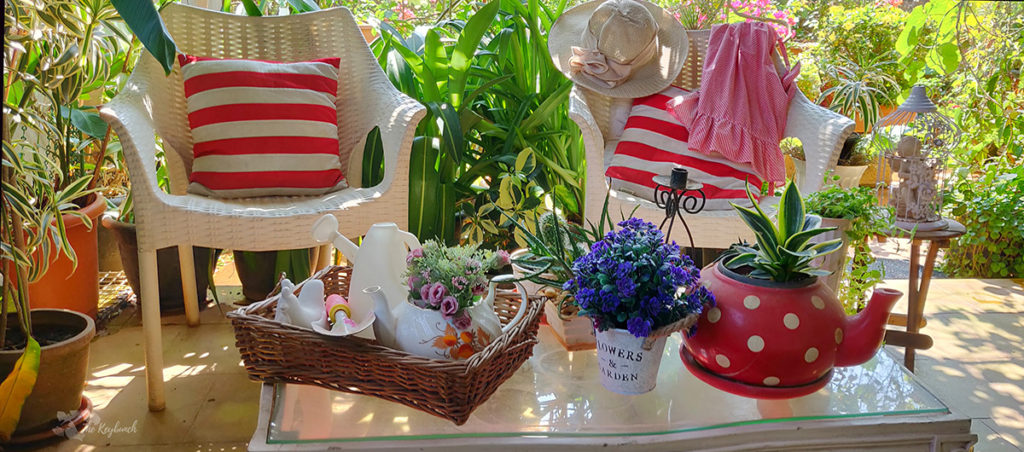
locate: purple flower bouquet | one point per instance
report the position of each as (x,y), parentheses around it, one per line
(632,280)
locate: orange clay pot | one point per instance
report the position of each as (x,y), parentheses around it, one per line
(65,286)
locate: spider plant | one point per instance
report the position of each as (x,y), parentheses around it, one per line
(860,87)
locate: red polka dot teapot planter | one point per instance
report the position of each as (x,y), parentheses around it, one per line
(777,330)
(767,340)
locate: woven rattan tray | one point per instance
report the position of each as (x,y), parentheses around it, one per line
(278,353)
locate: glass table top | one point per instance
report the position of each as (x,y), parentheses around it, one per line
(557,394)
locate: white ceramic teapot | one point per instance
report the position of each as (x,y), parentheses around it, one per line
(425,332)
(379,262)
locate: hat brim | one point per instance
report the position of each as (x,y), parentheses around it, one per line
(652,78)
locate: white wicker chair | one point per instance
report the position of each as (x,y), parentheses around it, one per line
(154,104)
(821,131)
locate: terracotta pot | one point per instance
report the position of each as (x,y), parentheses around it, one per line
(62,368)
(369,33)
(883,110)
(65,286)
(168,267)
(779,340)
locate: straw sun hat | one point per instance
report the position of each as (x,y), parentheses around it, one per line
(619,48)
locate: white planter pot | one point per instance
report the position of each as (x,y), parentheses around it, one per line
(834,262)
(625,367)
(518,271)
(849,176)
(576,333)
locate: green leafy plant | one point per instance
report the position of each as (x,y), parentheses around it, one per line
(57,55)
(973,53)
(857,32)
(867,219)
(553,244)
(991,207)
(492,94)
(783,252)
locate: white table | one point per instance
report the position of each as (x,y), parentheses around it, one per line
(555,402)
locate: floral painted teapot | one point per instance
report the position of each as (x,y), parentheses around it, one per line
(429,333)
(448,312)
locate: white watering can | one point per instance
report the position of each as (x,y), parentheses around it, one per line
(379,262)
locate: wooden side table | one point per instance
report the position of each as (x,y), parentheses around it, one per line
(912,339)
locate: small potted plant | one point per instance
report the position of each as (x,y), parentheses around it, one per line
(777,331)
(857,216)
(637,290)
(541,264)
(854,160)
(553,245)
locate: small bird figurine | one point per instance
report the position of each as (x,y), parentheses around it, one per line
(302,310)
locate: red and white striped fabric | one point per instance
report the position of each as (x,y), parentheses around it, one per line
(653,142)
(262,128)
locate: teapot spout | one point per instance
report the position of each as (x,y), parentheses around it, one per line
(384,325)
(862,333)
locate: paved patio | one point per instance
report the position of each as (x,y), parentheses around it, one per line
(976,367)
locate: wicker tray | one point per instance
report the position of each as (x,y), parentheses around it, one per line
(278,353)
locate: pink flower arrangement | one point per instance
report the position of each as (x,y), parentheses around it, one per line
(450,279)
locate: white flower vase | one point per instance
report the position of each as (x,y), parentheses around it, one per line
(626,366)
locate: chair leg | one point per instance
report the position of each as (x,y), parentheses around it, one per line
(188,284)
(151,329)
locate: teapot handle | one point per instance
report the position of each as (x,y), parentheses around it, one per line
(522,293)
(409,239)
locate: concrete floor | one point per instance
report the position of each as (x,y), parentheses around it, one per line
(976,367)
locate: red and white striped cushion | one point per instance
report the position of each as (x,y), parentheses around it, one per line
(262,128)
(653,142)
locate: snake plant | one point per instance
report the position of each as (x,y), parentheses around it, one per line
(784,250)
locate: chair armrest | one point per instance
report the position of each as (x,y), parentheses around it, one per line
(398,115)
(593,144)
(822,133)
(129,114)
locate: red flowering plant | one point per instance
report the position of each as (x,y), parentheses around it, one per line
(632,279)
(450,279)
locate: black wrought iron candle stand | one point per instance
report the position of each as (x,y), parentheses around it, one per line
(676,195)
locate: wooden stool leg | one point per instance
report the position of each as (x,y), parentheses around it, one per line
(926,277)
(151,329)
(912,301)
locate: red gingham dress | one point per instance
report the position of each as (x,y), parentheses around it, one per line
(740,110)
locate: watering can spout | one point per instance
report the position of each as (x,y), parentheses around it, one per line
(862,333)
(325,230)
